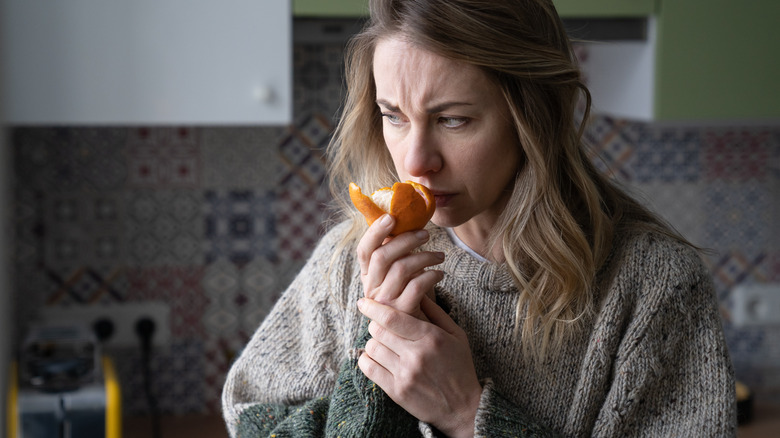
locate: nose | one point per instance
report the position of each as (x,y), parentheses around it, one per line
(423,155)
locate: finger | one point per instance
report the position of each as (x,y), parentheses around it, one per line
(388,346)
(399,323)
(375,372)
(404,271)
(438,317)
(382,355)
(382,258)
(372,239)
(415,291)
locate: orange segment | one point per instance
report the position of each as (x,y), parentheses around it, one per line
(412,205)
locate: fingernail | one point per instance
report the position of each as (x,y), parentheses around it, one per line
(439,255)
(360,303)
(386,220)
(422,235)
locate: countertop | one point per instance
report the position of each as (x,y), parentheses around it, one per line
(183,426)
(765,423)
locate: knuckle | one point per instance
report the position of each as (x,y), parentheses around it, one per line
(401,269)
(405,390)
(417,286)
(363,254)
(390,318)
(436,341)
(367,365)
(416,363)
(371,347)
(375,330)
(378,257)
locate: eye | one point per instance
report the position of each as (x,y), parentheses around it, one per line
(393,119)
(453,122)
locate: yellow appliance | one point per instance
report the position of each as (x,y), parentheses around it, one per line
(62,386)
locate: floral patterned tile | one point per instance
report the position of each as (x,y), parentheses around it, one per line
(164,227)
(318,86)
(668,156)
(163,158)
(239,225)
(301,154)
(180,288)
(733,268)
(679,203)
(236,158)
(737,215)
(301,221)
(736,155)
(612,146)
(88,227)
(64,159)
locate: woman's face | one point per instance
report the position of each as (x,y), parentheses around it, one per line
(447,126)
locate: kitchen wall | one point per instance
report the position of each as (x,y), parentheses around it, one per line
(6,239)
(6,242)
(216,221)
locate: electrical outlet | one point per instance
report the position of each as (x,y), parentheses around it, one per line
(756,304)
(123,316)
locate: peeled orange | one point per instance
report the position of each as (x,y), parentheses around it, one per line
(411,204)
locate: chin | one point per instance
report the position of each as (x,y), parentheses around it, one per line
(446,221)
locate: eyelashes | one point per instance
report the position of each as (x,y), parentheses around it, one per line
(445,121)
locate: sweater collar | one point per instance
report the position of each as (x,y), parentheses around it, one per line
(464,267)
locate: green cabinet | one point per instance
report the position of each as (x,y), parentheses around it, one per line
(717,59)
(330,8)
(605,8)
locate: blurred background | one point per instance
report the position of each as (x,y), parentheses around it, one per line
(198,221)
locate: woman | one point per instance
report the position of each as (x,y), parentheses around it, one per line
(543,302)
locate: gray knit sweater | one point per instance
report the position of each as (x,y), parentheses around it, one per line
(652,361)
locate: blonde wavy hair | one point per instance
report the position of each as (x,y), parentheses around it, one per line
(558,227)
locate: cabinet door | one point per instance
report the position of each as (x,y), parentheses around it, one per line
(717,59)
(147,62)
(604,8)
(330,8)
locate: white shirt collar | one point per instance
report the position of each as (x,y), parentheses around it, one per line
(459,243)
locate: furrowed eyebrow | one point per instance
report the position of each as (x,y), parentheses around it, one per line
(445,106)
(388,105)
(432,110)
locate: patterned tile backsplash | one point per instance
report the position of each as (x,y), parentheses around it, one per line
(217,221)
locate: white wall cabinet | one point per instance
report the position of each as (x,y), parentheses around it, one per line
(88,62)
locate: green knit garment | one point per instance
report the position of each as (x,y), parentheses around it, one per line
(358,408)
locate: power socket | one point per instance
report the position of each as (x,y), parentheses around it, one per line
(756,304)
(123,316)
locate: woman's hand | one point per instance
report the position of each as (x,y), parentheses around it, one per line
(392,272)
(423,365)
(417,354)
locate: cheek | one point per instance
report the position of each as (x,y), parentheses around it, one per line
(503,163)
(397,155)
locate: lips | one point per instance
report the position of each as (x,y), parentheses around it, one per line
(442,199)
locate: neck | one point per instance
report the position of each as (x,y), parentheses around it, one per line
(478,239)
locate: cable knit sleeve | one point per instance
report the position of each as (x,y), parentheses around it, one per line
(499,417)
(672,375)
(357,408)
(656,363)
(296,353)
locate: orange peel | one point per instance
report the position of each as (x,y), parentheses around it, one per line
(411,204)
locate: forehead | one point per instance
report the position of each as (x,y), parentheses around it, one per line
(401,70)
